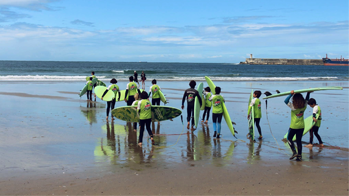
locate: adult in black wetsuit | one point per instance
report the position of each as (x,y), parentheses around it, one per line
(135,77)
(190,95)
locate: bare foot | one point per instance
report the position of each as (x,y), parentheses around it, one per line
(260,137)
(309,145)
(188,126)
(321,145)
(135,130)
(140,144)
(206,122)
(152,141)
(192,129)
(106,118)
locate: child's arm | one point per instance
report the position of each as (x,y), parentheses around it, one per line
(183,99)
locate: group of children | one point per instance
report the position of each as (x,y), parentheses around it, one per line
(214,101)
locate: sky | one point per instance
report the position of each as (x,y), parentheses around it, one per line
(219,31)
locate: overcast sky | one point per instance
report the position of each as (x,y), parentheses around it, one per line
(172,31)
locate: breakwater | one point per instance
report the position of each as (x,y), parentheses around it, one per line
(271,61)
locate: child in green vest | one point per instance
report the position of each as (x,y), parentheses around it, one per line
(144,112)
(131,90)
(94,86)
(135,103)
(89,89)
(217,111)
(315,128)
(257,108)
(298,106)
(208,104)
(111,104)
(156,94)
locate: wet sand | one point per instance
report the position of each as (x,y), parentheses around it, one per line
(53,142)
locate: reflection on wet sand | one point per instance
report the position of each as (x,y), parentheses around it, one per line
(90,114)
(254,154)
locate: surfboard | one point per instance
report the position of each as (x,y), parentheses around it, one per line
(84,90)
(225,111)
(99,91)
(251,118)
(203,101)
(308,124)
(162,97)
(159,113)
(122,95)
(100,83)
(305,90)
(197,106)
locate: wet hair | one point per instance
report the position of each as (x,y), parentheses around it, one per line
(258,93)
(113,81)
(218,90)
(90,78)
(312,101)
(131,78)
(192,84)
(298,101)
(208,89)
(144,95)
(153,82)
(136,96)
(93,73)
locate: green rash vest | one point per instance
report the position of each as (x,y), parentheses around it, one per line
(155,91)
(208,103)
(257,108)
(217,107)
(135,103)
(114,88)
(132,88)
(318,122)
(144,109)
(90,85)
(297,118)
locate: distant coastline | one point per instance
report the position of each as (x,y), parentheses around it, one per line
(272,61)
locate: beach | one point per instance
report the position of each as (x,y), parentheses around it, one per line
(54,142)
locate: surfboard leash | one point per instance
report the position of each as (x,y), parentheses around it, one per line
(266,111)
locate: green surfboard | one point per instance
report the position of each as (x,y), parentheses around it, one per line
(225,111)
(122,95)
(197,106)
(83,91)
(308,124)
(99,90)
(305,90)
(251,118)
(159,113)
(100,83)
(162,97)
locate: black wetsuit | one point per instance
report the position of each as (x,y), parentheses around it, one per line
(135,77)
(190,95)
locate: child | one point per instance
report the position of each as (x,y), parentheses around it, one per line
(135,103)
(115,89)
(217,111)
(315,128)
(89,89)
(94,86)
(144,111)
(143,78)
(208,104)
(190,95)
(298,106)
(131,90)
(156,94)
(256,104)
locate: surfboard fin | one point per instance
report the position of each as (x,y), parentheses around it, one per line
(278,91)
(267,93)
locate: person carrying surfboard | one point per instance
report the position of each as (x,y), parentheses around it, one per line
(89,89)
(256,104)
(111,104)
(156,94)
(190,95)
(144,112)
(94,86)
(298,106)
(217,111)
(131,90)
(315,129)
(208,104)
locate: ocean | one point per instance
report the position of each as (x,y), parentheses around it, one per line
(77,71)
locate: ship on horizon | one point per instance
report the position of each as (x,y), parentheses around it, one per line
(335,62)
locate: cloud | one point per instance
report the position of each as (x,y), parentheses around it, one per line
(36,5)
(8,16)
(80,22)
(242,19)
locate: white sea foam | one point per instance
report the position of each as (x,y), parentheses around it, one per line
(118,71)
(44,78)
(104,78)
